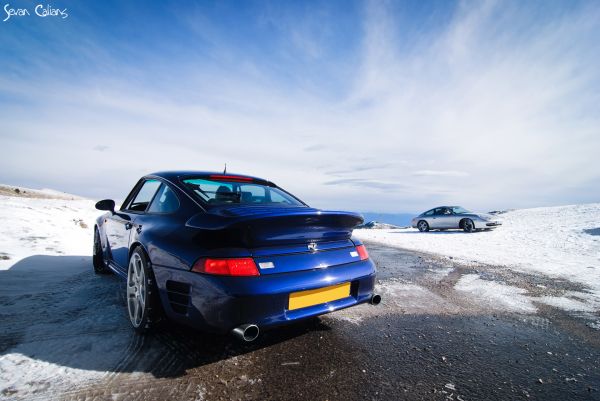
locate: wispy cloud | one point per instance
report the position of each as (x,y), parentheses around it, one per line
(364,183)
(440,173)
(358,167)
(314,148)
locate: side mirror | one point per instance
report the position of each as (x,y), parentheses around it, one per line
(106,204)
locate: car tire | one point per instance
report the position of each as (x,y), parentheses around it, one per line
(468,225)
(423,226)
(143,305)
(98,256)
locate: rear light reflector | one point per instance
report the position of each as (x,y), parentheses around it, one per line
(226,267)
(224,177)
(362,252)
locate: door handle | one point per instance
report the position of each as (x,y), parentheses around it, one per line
(128,226)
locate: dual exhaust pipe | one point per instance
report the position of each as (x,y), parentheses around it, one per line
(250,332)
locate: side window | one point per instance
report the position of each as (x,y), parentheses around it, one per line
(438,211)
(277,198)
(144,196)
(165,201)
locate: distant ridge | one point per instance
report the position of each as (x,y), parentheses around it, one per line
(379,226)
(23,192)
(396,219)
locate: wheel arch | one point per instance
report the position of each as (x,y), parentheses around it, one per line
(461,223)
(103,240)
(136,244)
(427,225)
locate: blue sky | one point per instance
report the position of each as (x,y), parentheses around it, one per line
(371,106)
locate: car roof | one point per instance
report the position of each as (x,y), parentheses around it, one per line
(176,174)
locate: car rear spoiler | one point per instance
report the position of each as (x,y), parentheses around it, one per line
(271,226)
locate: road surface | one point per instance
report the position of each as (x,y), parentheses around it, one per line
(64,334)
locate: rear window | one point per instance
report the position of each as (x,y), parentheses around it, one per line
(221,192)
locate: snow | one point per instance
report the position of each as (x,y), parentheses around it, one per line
(495,295)
(574,301)
(554,241)
(45,246)
(14,191)
(413,299)
(42,226)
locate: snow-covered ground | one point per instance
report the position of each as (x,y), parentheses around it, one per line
(558,242)
(44,222)
(46,287)
(555,241)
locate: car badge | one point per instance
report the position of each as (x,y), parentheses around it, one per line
(312,247)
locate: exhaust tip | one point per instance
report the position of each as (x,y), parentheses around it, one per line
(246,332)
(375,299)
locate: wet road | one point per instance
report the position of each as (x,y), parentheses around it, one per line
(425,341)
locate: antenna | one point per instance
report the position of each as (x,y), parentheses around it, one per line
(225,169)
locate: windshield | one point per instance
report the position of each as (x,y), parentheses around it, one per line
(221,192)
(459,210)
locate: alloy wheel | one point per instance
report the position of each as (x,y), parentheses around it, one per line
(136,290)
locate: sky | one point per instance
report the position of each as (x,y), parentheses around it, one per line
(383,106)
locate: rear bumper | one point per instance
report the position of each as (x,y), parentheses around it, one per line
(220,304)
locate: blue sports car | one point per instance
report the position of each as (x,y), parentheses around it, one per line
(229,253)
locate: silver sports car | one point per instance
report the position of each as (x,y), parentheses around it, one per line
(454,217)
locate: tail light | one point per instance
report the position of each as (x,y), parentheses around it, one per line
(226,267)
(362,252)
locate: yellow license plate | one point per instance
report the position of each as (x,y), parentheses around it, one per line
(303,299)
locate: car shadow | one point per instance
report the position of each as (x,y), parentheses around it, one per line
(55,309)
(592,231)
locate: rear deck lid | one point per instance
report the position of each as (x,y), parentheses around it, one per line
(285,259)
